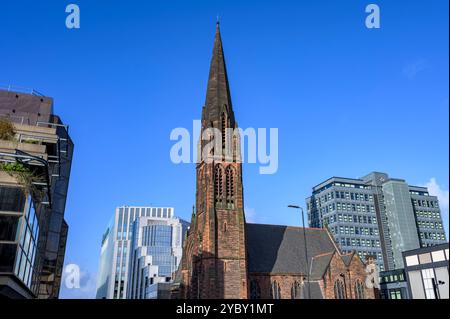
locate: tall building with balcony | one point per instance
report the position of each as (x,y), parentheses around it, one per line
(137,247)
(377,215)
(35,162)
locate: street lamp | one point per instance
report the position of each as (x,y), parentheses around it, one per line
(306,247)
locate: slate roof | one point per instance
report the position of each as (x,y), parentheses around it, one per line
(319,265)
(281,249)
(347,258)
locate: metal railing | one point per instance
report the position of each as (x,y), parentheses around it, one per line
(18,89)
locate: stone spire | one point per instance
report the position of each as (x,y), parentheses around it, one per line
(218,98)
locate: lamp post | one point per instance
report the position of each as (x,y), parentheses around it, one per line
(306,248)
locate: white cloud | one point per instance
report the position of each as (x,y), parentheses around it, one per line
(250,215)
(443,196)
(87,289)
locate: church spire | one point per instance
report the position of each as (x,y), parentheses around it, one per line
(218,90)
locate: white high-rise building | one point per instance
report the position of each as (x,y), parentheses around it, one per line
(155,249)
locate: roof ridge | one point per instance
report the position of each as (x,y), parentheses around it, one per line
(324,254)
(288,226)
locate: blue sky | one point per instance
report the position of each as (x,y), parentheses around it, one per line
(346,100)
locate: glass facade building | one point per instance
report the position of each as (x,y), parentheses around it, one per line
(156,251)
(376,215)
(19,235)
(35,162)
(347,208)
(119,243)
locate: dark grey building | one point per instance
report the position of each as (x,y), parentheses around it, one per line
(393,284)
(377,215)
(426,271)
(35,161)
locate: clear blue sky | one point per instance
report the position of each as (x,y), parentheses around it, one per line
(346,100)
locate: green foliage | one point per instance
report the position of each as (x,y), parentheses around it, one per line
(30,141)
(24,177)
(14,167)
(7,131)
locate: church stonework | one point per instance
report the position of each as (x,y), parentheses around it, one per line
(226,258)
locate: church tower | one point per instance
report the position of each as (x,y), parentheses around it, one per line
(214,263)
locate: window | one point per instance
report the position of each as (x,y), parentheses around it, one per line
(425,258)
(437,255)
(224,126)
(275,291)
(296,290)
(9,227)
(7,255)
(230,184)
(12,199)
(218,190)
(412,260)
(359,290)
(395,294)
(339,290)
(428,282)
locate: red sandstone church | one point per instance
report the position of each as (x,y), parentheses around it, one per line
(225,257)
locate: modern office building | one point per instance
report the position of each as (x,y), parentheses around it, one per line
(145,249)
(35,162)
(426,270)
(347,207)
(155,253)
(393,284)
(377,215)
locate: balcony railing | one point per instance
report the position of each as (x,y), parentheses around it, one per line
(18,89)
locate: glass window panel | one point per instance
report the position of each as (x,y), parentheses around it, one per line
(438,255)
(27,272)
(9,227)
(23,262)
(425,258)
(12,199)
(412,260)
(7,256)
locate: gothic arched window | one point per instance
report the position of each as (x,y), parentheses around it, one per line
(339,290)
(218,186)
(359,290)
(296,290)
(230,183)
(255,291)
(224,126)
(275,291)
